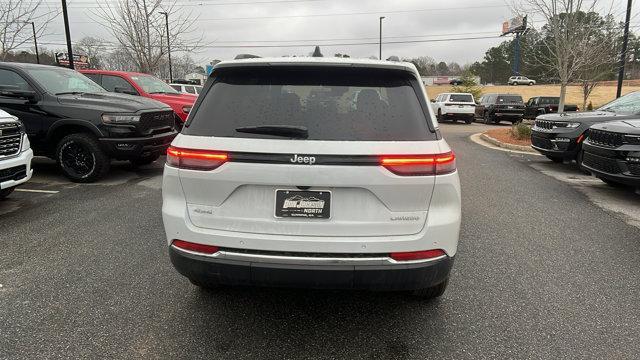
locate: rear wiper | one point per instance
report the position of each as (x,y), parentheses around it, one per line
(299,132)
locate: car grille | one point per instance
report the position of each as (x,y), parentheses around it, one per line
(550,125)
(634,169)
(541,142)
(13,173)
(606,138)
(607,165)
(10,138)
(156,122)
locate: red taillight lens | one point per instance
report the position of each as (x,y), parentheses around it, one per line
(417,255)
(199,248)
(195,159)
(420,165)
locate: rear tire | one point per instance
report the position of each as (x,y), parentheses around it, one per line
(468,120)
(555,159)
(81,158)
(145,160)
(431,292)
(531,83)
(5,192)
(439,116)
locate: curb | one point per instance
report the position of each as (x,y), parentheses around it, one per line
(498,143)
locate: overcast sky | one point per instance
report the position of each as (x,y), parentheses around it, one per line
(277,22)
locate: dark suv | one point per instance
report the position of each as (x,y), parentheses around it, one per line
(74,121)
(612,152)
(559,137)
(493,108)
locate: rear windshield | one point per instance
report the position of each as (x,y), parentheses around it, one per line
(460,98)
(509,99)
(331,104)
(549,100)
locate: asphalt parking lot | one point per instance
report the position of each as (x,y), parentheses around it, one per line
(548,267)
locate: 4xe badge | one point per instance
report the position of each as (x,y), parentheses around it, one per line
(296,159)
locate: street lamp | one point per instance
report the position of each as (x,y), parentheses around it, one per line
(381,17)
(35,42)
(166,22)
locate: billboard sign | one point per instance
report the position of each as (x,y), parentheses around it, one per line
(79,60)
(515,25)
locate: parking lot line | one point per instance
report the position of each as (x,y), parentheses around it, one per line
(38,191)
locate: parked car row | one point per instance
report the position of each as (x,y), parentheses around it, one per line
(605,142)
(493,108)
(84,123)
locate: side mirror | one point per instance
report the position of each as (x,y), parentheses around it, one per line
(124,90)
(7,91)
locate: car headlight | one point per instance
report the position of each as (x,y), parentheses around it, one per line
(573,125)
(26,145)
(120,118)
(186,109)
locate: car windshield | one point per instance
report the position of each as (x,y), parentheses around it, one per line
(626,105)
(461,98)
(153,85)
(509,99)
(61,80)
(328,104)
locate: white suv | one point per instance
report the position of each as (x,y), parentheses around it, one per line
(15,154)
(454,106)
(279,179)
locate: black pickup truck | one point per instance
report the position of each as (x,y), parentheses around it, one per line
(493,108)
(540,105)
(74,121)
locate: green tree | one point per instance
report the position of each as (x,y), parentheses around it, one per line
(468,85)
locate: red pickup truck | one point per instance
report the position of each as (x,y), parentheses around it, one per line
(144,85)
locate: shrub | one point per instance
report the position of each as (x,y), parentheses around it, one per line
(468,85)
(521,131)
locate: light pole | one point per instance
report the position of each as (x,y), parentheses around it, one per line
(166,22)
(381,18)
(67,33)
(35,42)
(623,53)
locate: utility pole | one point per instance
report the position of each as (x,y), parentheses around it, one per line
(166,22)
(516,55)
(35,42)
(623,53)
(67,33)
(381,18)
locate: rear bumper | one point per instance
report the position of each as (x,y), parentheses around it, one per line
(266,272)
(131,148)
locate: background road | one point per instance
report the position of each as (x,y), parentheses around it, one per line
(541,273)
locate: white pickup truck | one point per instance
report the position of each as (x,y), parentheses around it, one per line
(15,154)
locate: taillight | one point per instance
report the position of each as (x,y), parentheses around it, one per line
(199,248)
(417,255)
(195,159)
(420,165)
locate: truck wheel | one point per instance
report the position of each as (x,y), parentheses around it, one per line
(81,158)
(531,83)
(431,292)
(145,160)
(468,120)
(555,159)
(5,192)
(439,116)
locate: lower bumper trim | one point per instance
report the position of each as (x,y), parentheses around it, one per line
(395,277)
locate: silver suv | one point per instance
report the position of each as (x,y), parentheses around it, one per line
(520,80)
(310,172)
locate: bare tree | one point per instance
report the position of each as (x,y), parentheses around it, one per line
(140,32)
(575,37)
(16,17)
